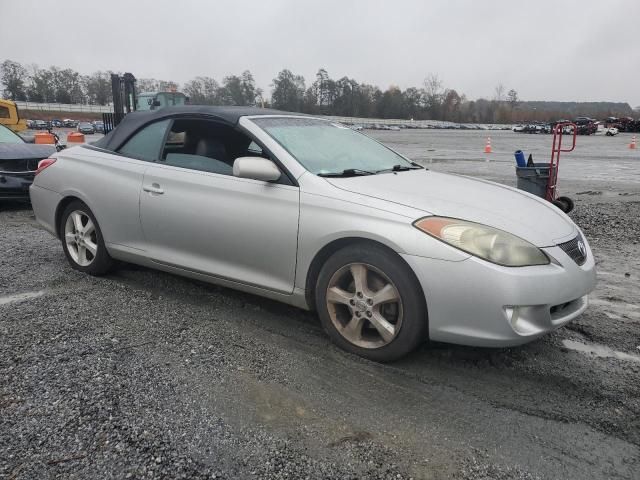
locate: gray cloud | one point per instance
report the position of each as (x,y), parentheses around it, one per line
(570,50)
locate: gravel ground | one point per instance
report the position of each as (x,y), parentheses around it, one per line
(141,374)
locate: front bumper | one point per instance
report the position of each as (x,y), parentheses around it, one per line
(474,302)
(15,186)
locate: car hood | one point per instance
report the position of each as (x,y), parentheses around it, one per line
(24,151)
(499,206)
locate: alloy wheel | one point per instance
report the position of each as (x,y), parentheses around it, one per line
(364,305)
(80,238)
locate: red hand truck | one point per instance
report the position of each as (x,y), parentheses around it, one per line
(563,203)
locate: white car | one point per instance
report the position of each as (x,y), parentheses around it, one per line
(311,213)
(518,128)
(611,131)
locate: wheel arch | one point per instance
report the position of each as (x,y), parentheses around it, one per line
(329,249)
(61,207)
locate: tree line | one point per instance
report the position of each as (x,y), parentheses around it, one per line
(289,91)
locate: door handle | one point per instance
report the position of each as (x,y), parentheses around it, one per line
(153,188)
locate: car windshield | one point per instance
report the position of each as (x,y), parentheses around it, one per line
(326,148)
(7,136)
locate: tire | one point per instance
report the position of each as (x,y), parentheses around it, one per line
(79,244)
(560,204)
(343,301)
(568,204)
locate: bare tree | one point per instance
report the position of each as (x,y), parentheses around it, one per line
(202,91)
(433,94)
(147,85)
(432,84)
(512,97)
(499,93)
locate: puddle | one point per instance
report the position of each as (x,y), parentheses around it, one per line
(20,297)
(599,351)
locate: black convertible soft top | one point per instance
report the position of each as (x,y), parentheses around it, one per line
(136,120)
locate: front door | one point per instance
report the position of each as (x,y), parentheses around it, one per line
(214,223)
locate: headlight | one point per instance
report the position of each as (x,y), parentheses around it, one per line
(489,243)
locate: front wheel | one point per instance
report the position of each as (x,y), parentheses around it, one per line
(82,240)
(370,303)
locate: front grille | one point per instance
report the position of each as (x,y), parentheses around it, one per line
(576,249)
(19,166)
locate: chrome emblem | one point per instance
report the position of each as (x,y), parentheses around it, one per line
(361,306)
(582,247)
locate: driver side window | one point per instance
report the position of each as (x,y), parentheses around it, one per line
(206,145)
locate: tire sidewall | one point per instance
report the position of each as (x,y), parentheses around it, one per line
(568,203)
(102,261)
(414,322)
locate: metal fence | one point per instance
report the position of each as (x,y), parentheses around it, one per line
(388,121)
(64,107)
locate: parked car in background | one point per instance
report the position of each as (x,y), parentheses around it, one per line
(86,128)
(41,125)
(18,164)
(56,123)
(586,125)
(31,124)
(611,131)
(69,123)
(98,126)
(587,129)
(309,212)
(518,128)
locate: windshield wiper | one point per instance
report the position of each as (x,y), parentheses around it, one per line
(348,172)
(401,168)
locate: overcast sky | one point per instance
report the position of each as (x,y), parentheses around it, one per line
(582,50)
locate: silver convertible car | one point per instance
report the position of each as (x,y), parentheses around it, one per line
(312,213)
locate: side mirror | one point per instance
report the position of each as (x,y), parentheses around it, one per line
(256,168)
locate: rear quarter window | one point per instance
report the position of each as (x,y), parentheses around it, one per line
(147,143)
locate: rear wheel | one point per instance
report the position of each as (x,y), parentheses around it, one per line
(370,303)
(82,240)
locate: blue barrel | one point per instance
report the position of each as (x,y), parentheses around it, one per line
(520,158)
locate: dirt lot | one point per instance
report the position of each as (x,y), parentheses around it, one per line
(141,374)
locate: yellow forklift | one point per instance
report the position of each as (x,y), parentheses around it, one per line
(9,116)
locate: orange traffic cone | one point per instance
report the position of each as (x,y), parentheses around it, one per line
(632,145)
(487,147)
